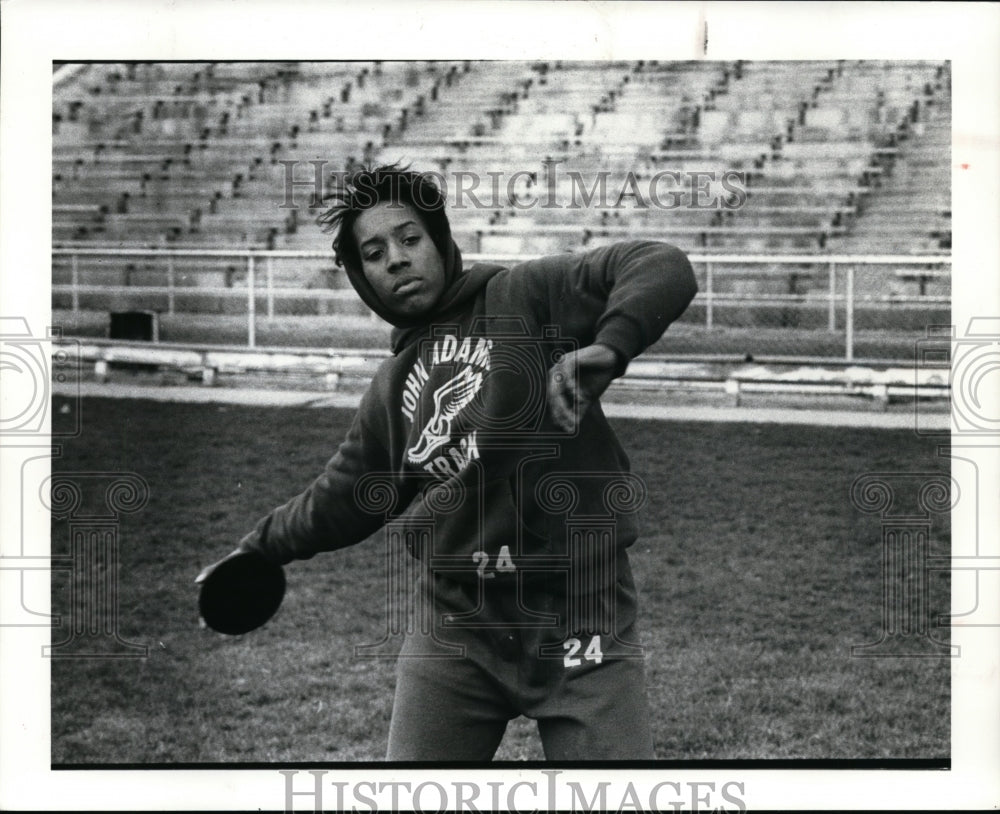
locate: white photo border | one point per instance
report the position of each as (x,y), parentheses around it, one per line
(37,32)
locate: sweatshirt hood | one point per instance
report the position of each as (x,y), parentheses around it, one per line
(461,285)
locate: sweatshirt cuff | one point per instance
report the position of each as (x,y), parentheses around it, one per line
(624,337)
(256,541)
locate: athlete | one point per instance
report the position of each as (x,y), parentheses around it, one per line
(481,448)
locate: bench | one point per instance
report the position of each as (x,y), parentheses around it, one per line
(209,363)
(879,385)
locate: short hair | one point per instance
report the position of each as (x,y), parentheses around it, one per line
(359,191)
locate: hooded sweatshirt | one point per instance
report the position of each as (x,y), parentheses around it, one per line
(453,447)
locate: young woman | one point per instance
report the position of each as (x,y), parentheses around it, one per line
(506,484)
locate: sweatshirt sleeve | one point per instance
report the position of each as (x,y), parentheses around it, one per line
(327,515)
(623,295)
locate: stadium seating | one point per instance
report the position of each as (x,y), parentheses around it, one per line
(825,156)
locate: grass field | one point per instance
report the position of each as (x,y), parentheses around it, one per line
(756,576)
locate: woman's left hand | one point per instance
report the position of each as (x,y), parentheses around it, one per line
(577,380)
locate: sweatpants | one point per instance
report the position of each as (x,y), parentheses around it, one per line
(586,689)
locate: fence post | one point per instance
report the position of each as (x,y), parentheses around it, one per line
(270,287)
(832,321)
(74,265)
(251,304)
(849,314)
(708,295)
(170,284)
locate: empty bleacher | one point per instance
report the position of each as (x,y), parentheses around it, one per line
(746,158)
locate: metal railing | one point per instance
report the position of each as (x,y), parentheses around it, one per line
(717,274)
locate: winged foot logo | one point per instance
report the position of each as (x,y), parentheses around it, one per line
(449,400)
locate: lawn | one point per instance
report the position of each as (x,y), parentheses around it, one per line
(756,573)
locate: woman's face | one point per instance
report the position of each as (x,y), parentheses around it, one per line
(399,259)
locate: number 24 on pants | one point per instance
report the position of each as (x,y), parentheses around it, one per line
(592,653)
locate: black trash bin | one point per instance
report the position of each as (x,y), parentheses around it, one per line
(138,326)
(133,326)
